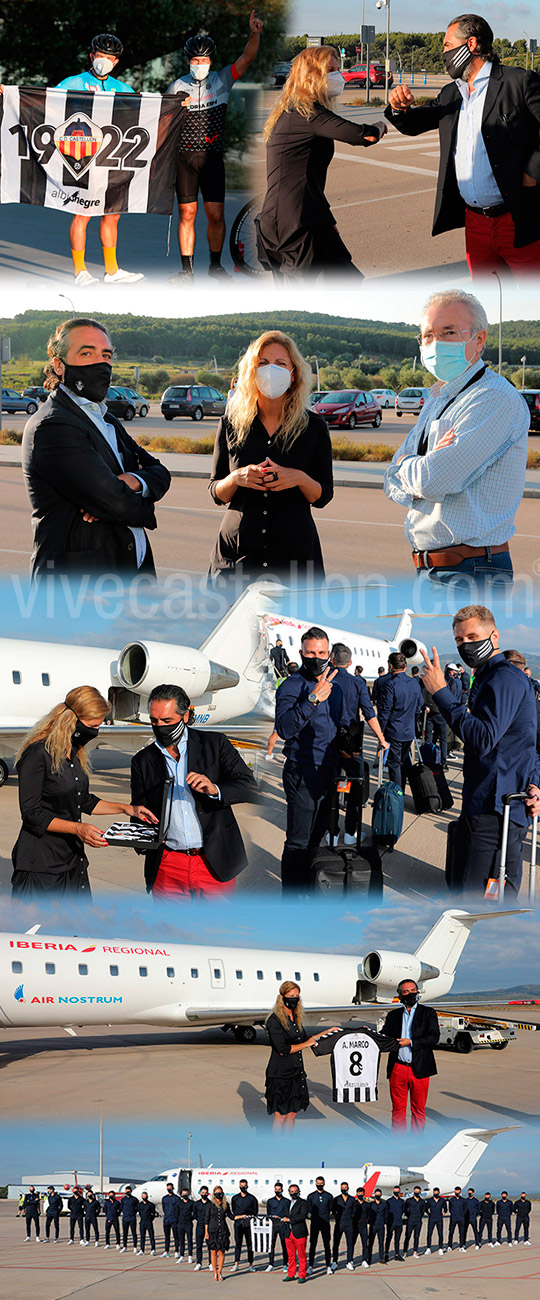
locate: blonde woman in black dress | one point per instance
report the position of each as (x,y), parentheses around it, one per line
(216,1232)
(286,1083)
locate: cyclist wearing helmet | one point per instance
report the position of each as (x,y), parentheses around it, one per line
(105,51)
(200,161)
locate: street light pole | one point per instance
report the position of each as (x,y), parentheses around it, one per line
(498,279)
(523,360)
(385,4)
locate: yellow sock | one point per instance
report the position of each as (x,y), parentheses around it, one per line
(109,257)
(78,260)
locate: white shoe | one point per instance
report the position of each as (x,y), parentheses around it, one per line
(415,1254)
(96,1244)
(349,839)
(70,1242)
(329,1271)
(108,1247)
(197,1267)
(527,1242)
(29,1239)
(164,1254)
(83,1243)
(335,840)
(135,1251)
(122,1250)
(441,1252)
(123,277)
(38,1239)
(427,1252)
(477,1248)
(84,279)
(119,1246)
(333,1267)
(252,1269)
(350,1266)
(365,1263)
(309,1270)
(234,1268)
(285,1268)
(269,1268)
(179,1258)
(152,1252)
(138,1252)
(190,1259)
(462,1250)
(497,1243)
(510,1244)
(491,1243)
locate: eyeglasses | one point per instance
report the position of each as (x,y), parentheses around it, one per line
(449,335)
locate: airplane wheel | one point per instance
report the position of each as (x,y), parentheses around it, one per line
(245,1033)
(4,772)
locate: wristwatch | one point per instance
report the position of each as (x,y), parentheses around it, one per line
(313,698)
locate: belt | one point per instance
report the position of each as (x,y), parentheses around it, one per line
(498,210)
(451,556)
(190,853)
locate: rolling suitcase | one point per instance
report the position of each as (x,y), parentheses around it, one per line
(443,787)
(346,870)
(495,886)
(424,788)
(430,754)
(387,814)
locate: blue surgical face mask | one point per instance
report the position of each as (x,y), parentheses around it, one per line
(445,360)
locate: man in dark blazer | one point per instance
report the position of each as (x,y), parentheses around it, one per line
(411,1066)
(92,488)
(488,120)
(296,1241)
(203,850)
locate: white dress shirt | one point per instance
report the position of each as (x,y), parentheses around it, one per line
(476,182)
(96,412)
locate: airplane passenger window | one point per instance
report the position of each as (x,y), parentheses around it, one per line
(217,973)
(194,973)
(239,975)
(278,974)
(16,676)
(170,972)
(315,976)
(83,970)
(16,967)
(260,975)
(297,975)
(45,679)
(50,968)
(113,970)
(143,970)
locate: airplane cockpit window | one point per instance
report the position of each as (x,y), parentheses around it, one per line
(83,970)
(16,967)
(113,970)
(45,679)
(16,677)
(143,970)
(194,973)
(158,1178)
(50,968)
(170,972)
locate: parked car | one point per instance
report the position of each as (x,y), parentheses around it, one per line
(348,408)
(356,76)
(39,394)
(279,74)
(411,400)
(126,403)
(13,401)
(317,396)
(384,396)
(195,400)
(532,398)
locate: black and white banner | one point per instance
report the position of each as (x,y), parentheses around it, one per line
(88,151)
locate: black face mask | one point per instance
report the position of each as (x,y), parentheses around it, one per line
(475,653)
(377,1196)
(83,734)
(204,1196)
(168,733)
(291,1003)
(314,666)
(456,61)
(92,381)
(218,1196)
(408,999)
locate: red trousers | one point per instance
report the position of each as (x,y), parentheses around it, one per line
(186,874)
(296,1246)
(489,242)
(403,1085)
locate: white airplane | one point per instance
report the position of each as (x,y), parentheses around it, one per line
(451,1167)
(67,982)
(229,677)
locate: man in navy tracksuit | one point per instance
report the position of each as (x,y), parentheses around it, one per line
(435,1206)
(472,1210)
(92,1208)
(456,1210)
(52,1213)
(487,1211)
(277,1210)
(170,1204)
(31,1212)
(356,701)
(76,1214)
(400,702)
(504,1218)
(499,731)
(394,1225)
(377,1220)
(413,1212)
(185,1225)
(113,1210)
(244,1207)
(522,1211)
(320,1205)
(200,1208)
(343,1210)
(129,1219)
(361,1228)
(378,685)
(147,1214)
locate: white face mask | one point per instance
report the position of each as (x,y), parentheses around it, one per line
(273,381)
(102,66)
(335,84)
(199,70)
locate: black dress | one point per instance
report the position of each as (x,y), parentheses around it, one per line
(271,532)
(297,231)
(218,1232)
(286,1083)
(48,862)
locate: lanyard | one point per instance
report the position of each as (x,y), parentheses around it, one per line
(423,444)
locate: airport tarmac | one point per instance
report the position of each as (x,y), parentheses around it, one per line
(57,1272)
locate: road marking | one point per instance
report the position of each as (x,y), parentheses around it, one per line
(392,166)
(382,199)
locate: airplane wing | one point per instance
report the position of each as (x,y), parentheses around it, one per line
(314,1016)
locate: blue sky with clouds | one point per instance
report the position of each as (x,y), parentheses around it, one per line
(313,17)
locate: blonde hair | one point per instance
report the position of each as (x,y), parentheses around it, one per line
(224,1202)
(305,86)
(58,345)
(280,1010)
(57,727)
(242,406)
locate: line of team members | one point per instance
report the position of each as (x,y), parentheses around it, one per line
(378,1224)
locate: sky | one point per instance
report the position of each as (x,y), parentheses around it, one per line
(134,1149)
(313,16)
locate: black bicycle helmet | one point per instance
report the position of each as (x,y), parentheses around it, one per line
(106,44)
(200,47)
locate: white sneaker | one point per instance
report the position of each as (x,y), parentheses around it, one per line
(309,1270)
(329,1271)
(477,1248)
(84,279)
(462,1250)
(365,1263)
(70,1242)
(234,1268)
(252,1269)
(349,839)
(96,1244)
(135,1251)
(152,1252)
(497,1243)
(138,1252)
(29,1239)
(427,1252)
(190,1259)
(441,1252)
(335,840)
(269,1269)
(123,277)
(38,1239)
(527,1242)
(197,1267)
(509,1243)
(164,1254)
(491,1243)
(118,1246)
(285,1268)
(350,1266)
(415,1254)
(123,1250)
(108,1247)
(83,1243)
(179,1258)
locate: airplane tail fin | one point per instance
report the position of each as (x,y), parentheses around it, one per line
(239,638)
(444,944)
(453,1165)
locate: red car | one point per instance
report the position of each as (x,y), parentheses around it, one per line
(356,76)
(347,408)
